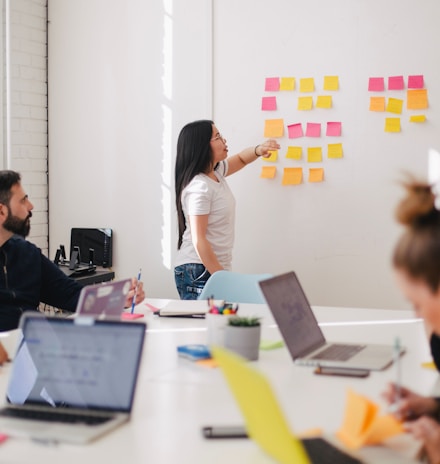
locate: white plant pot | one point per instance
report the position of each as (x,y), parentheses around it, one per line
(244,341)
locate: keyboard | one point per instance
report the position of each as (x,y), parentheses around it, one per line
(49,416)
(338,352)
(320,451)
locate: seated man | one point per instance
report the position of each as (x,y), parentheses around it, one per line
(27,277)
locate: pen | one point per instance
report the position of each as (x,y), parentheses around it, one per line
(133,303)
(397,393)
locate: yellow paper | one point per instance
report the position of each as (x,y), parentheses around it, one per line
(395,105)
(287,83)
(314,154)
(334,150)
(294,153)
(305,103)
(268,172)
(331,83)
(417,99)
(429,365)
(377,103)
(307,84)
(274,128)
(324,101)
(316,174)
(392,124)
(273,156)
(417,118)
(292,176)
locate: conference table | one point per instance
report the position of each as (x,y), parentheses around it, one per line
(176,397)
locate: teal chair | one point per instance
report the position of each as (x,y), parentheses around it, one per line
(234,287)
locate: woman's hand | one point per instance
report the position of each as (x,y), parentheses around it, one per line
(265,148)
(137,291)
(427,430)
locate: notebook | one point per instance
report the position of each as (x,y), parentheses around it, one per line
(72,380)
(184,308)
(303,336)
(265,421)
(103,300)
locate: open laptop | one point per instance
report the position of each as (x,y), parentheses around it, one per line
(265,421)
(103,300)
(303,336)
(72,380)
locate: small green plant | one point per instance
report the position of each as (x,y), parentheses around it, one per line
(241,321)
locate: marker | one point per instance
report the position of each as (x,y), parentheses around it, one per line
(395,406)
(133,304)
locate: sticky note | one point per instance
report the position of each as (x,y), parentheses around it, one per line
(272,157)
(272,84)
(268,172)
(274,128)
(294,153)
(313,129)
(331,83)
(417,118)
(334,150)
(334,129)
(287,83)
(395,105)
(305,103)
(324,101)
(292,176)
(307,84)
(377,103)
(269,103)
(417,99)
(416,82)
(396,83)
(376,84)
(295,130)
(316,174)
(392,124)
(314,154)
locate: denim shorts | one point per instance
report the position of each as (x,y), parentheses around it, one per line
(190,279)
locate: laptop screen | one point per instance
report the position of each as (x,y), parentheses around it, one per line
(76,363)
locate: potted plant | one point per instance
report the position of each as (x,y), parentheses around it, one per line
(242,335)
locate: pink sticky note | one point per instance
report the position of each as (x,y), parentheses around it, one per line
(333,129)
(295,131)
(396,83)
(269,103)
(415,82)
(376,84)
(272,84)
(313,129)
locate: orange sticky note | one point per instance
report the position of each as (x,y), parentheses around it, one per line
(274,128)
(305,103)
(377,103)
(417,99)
(314,154)
(324,101)
(287,83)
(334,150)
(392,124)
(395,105)
(331,83)
(307,84)
(316,174)
(294,153)
(292,176)
(268,172)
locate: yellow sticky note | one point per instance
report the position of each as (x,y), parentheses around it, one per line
(274,128)
(294,153)
(273,156)
(268,172)
(314,154)
(417,118)
(395,105)
(287,83)
(292,176)
(429,365)
(417,99)
(324,101)
(392,124)
(334,150)
(377,103)
(316,174)
(331,83)
(307,84)
(305,103)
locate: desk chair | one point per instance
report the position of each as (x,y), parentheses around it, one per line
(234,287)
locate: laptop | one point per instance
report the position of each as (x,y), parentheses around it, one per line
(103,300)
(72,380)
(265,421)
(303,336)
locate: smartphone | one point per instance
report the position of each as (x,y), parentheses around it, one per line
(342,371)
(219,431)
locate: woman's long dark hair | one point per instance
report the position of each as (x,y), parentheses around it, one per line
(193,157)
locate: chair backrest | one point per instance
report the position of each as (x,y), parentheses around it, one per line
(234,287)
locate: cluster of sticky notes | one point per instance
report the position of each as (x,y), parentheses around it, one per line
(364,425)
(416,99)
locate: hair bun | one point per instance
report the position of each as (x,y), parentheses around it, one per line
(419,204)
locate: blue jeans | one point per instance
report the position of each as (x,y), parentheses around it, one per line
(190,279)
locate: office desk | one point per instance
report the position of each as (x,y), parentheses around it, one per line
(100,275)
(175,397)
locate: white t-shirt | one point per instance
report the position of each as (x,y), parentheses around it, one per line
(204,195)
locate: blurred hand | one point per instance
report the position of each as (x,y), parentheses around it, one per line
(139,291)
(3,354)
(427,430)
(267,146)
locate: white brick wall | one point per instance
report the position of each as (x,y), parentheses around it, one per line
(29,107)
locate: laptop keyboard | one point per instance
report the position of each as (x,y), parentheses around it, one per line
(48,416)
(338,352)
(321,451)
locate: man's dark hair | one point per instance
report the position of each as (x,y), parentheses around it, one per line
(7,180)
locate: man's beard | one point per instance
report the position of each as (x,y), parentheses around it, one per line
(16,225)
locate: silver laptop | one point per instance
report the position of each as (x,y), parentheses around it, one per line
(72,380)
(303,336)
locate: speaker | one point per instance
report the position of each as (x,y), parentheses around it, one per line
(99,240)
